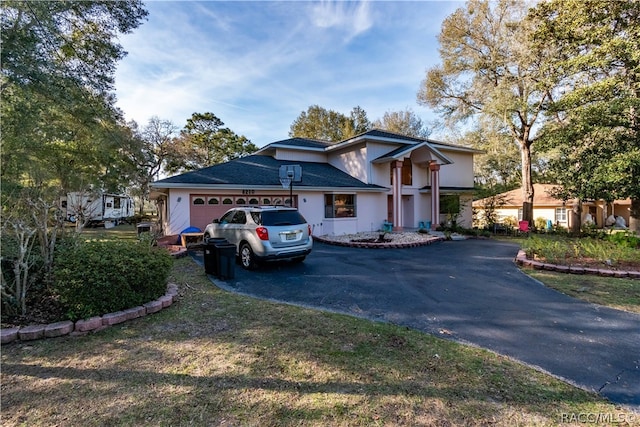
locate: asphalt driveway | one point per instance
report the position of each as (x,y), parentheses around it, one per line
(469,291)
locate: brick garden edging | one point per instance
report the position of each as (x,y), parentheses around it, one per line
(521,259)
(93,324)
(389,245)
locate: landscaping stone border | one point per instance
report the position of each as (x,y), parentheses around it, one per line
(93,324)
(389,245)
(521,259)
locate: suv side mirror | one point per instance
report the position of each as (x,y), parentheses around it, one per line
(216,221)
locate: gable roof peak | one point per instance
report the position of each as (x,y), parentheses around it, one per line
(382,133)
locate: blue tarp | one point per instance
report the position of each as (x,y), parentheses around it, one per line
(191,230)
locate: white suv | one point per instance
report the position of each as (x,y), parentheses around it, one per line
(264,233)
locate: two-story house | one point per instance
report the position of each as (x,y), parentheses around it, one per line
(351,186)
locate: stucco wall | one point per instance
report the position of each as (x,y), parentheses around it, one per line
(458,174)
(548,213)
(311,206)
(300,156)
(352,162)
(371,212)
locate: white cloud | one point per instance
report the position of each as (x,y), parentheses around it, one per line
(352,18)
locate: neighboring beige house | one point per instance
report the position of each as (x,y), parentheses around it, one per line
(549,208)
(358,184)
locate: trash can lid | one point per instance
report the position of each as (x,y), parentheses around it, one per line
(215,241)
(191,230)
(225,245)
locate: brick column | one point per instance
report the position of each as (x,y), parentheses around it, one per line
(435,194)
(397,194)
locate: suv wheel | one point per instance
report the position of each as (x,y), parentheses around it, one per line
(247,259)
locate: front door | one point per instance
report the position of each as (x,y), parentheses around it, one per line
(390,209)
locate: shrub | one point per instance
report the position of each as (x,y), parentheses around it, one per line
(511,221)
(93,278)
(562,250)
(540,223)
(625,239)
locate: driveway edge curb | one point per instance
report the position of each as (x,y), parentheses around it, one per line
(521,259)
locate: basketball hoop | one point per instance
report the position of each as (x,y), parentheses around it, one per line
(286,182)
(288,175)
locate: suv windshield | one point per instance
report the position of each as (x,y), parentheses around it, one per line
(283,217)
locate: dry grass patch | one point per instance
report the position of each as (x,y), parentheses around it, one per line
(216,358)
(619,293)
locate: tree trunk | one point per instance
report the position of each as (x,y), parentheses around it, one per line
(527,185)
(575,218)
(634,216)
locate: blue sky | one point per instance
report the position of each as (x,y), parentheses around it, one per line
(258,65)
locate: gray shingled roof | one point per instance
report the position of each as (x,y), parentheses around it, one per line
(259,170)
(386,134)
(302,142)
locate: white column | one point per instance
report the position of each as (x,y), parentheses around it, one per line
(435,194)
(397,194)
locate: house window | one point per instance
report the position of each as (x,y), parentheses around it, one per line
(561,214)
(116,203)
(241,201)
(520,214)
(266,201)
(449,204)
(254,201)
(407,172)
(227,201)
(198,201)
(339,205)
(213,201)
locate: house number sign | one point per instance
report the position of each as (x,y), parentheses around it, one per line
(248,192)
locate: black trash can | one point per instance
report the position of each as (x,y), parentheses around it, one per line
(211,254)
(226,255)
(144,227)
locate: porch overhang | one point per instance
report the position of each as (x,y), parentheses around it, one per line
(448,190)
(402,152)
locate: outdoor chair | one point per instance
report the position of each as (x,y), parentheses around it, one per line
(523,227)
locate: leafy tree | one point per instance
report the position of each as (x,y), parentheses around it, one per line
(52,45)
(489,69)
(403,122)
(358,122)
(593,143)
(204,142)
(328,125)
(58,60)
(59,125)
(499,167)
(320,123)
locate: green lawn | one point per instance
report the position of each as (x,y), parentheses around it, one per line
(122,231)
(623,294)
(619,293)
(216,358)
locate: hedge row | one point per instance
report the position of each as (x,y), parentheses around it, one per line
(93,278)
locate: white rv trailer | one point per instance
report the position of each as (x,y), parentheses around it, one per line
(95,208)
